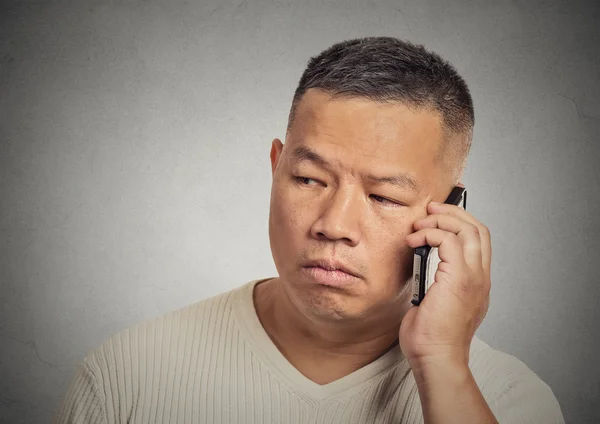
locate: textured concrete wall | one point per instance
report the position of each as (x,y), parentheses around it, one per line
(135,134)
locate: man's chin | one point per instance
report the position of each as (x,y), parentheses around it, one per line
(330,304)
(338,303)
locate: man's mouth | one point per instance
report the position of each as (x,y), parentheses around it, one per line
(330,272)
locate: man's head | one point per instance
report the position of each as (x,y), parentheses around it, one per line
(378,128)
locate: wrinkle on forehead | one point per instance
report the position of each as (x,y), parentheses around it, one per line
(369,124)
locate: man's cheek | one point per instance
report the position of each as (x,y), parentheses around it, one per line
(396,262)
(297,215)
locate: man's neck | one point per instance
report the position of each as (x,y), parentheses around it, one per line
(321,351)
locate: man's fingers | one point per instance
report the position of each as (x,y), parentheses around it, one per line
(449,246)
(467,233)
(484,233)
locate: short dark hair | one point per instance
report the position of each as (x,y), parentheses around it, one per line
(386,69)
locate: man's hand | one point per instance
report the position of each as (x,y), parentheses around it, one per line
(444,324)
(436,335)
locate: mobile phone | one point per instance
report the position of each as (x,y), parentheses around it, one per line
(426,258)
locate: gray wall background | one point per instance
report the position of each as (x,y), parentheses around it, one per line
(134,171)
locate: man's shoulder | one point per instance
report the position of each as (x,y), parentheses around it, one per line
(492,366)
(173,331)
(125,373)
(510,387)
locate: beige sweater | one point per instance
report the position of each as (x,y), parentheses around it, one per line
(212,362)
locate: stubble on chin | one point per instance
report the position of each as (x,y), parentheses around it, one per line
(318,302)
(327,305)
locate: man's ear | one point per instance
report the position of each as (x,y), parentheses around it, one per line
(276,149)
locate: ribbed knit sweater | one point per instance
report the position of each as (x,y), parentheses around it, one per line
(212,362)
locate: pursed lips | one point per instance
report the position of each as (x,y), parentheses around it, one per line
(331,265)
(330,272)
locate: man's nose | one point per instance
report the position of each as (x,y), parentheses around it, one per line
(339,218)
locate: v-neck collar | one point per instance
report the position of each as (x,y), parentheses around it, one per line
(263,346)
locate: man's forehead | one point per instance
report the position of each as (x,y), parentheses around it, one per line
(366,127)
(321,113)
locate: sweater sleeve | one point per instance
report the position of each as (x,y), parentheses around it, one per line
(528,400)
(514,392)
(83,402)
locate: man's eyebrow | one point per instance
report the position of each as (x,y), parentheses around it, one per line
(303,153)
(404,181)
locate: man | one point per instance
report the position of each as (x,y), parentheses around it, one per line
(379,130)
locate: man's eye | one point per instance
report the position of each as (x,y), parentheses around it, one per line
(384,201)
(306,180)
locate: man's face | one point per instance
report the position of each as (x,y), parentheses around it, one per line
(348,184)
